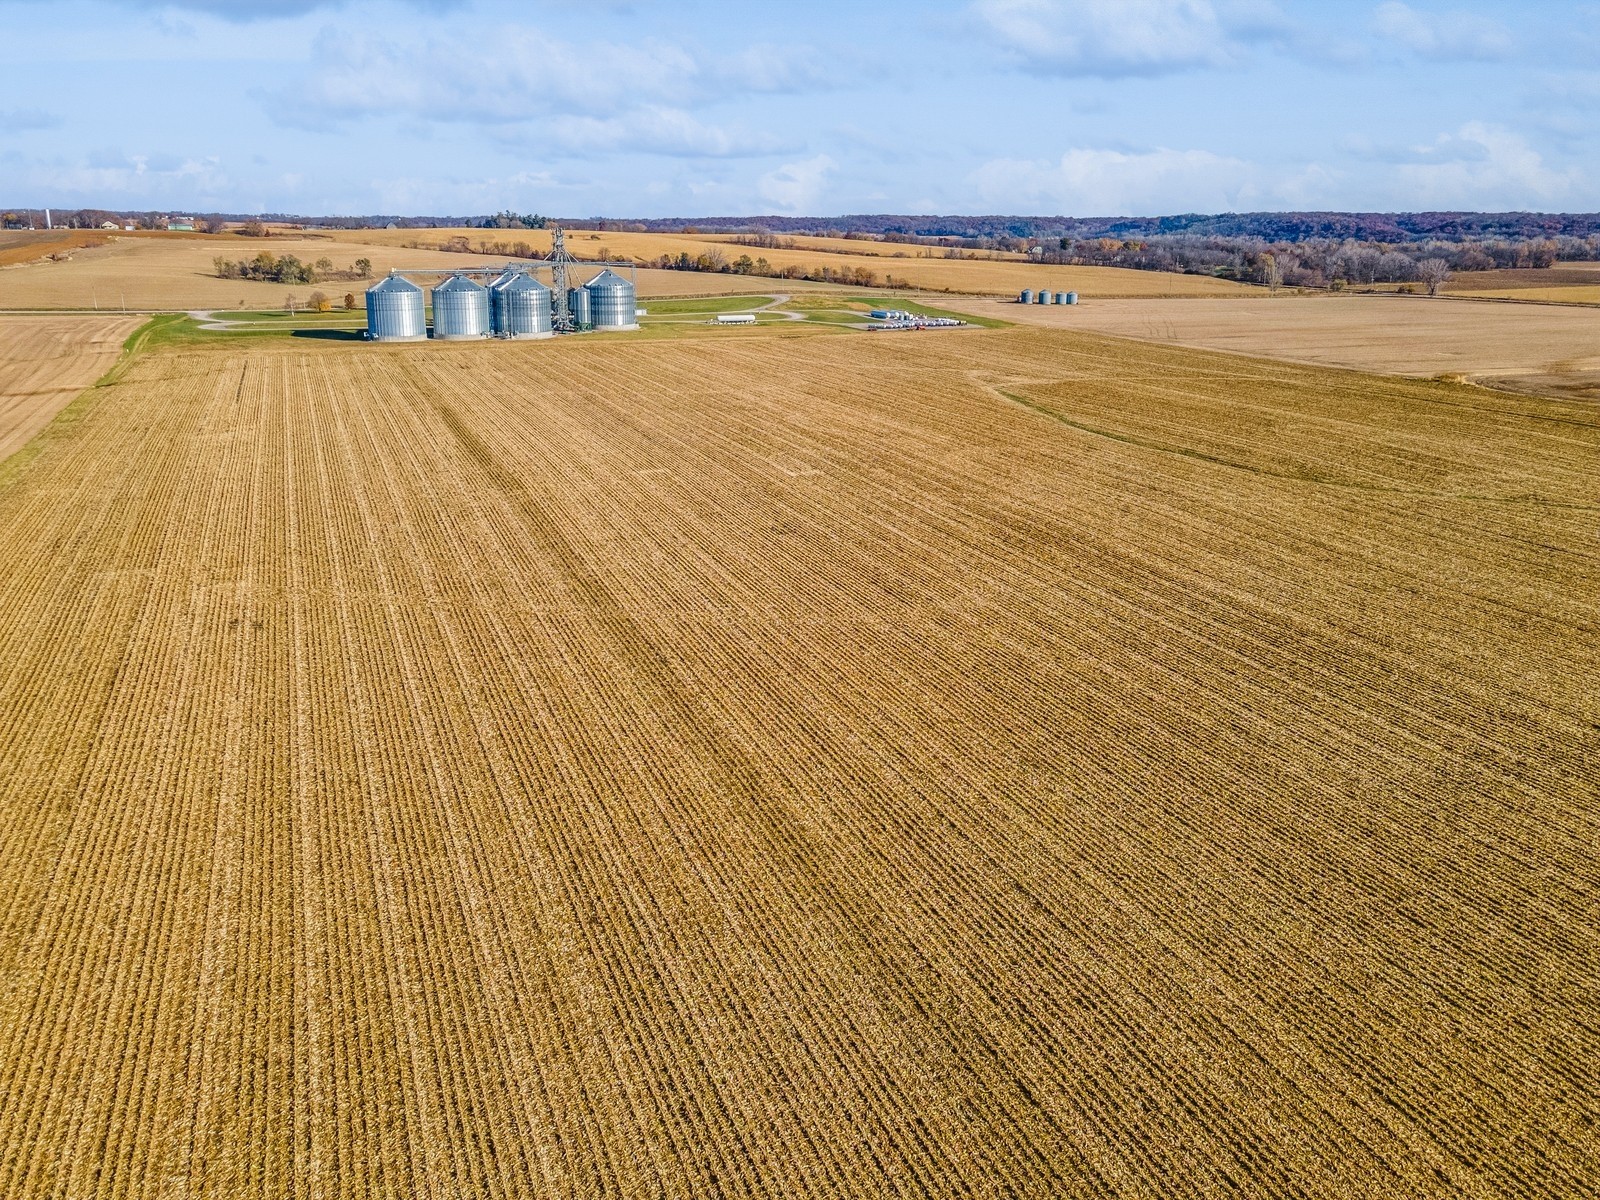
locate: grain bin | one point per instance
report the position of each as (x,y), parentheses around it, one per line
(1061,297)
(395,312)
(1044,297)
(1072,298)
(524,308)
(578,306)
(611,302)
(460,309)
(1025,296)
(496,307)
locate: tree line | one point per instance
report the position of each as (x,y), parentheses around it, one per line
(1314,263)
(270,268)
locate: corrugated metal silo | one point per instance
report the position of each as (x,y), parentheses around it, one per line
(395,311)
(1045,297)
(496,308)
(1061,298)
(1072,297)
(612,304)
(460,309)
(524,308)
(578,304)
(1026,296)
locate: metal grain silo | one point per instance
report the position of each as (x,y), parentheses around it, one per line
(496,308)
(524,306)
(1061,297)
(460,309)
(1026,296)
(1072,298)
(612,304)
(578,303)
(1046,296)
(394,311)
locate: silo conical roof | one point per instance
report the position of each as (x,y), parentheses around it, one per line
(394,284)
(458,283)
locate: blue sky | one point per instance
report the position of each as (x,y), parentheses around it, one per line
(647,108)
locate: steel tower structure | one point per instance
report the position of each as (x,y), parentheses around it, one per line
(559,260)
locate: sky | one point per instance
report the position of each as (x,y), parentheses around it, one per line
(651,108)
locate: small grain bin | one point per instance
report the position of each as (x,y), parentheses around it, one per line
(1072,298)
(1025,296)
(578,304)
(1045,297)
(1061,297)
(395,311)
(460,310)
(496,308)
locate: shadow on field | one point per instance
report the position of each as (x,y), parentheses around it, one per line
(329,335)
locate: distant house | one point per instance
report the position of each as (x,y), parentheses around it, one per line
(108,225)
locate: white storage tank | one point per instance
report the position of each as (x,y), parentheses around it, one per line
(460,310)
(612,303)
(525,306)
(395,311)
(496,309)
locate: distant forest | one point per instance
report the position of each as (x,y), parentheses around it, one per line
(1268,226)
(1274,249)
(1278,227)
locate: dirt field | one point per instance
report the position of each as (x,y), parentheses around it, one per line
(1568,294)
(1564,283)
(1539,348)
(1005,764)
(971,276)
(20,246)
(177,274)
(45,362)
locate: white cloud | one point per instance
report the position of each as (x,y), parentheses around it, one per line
(1443,35)
(454,78)
(767,67)
(1482,166)
(649,129)
(1111,38)
(540,92)
(797,186)
(107,177)
(1088,182)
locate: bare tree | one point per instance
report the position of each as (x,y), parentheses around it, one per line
(1433,272)
(1271,272)
(1396,267)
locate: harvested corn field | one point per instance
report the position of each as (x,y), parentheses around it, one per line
(1022,764)
(45,362)
(1000,274)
